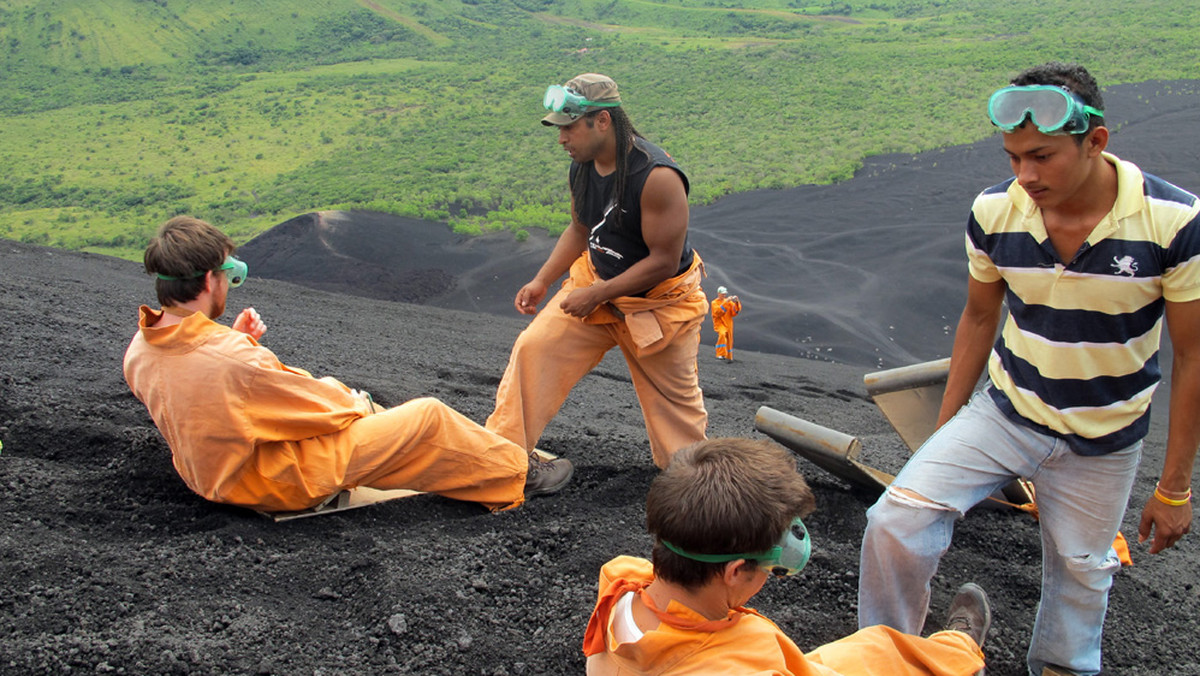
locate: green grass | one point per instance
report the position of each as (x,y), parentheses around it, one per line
(117,114)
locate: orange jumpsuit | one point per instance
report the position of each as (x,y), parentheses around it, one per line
(723,312)
(658,334)
(746,643)
(245,429)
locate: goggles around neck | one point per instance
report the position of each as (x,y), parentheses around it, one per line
(236,272)
(560,99)
(1055,110)
(789,556)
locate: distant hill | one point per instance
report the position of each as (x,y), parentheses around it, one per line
(870,271)
(116,115)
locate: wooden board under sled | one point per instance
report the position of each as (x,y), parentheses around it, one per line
(351,499)
(361,496)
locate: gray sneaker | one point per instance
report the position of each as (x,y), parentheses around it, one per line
(547,476)
(970,613)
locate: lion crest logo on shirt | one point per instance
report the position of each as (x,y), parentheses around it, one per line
(1125,265)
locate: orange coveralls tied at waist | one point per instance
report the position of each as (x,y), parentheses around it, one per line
(654,320)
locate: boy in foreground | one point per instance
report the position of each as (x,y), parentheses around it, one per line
(724,514)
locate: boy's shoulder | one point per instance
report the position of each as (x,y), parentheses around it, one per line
(631,568)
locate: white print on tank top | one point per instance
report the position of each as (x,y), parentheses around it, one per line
(594,238)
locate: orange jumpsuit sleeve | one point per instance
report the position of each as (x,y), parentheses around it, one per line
(217,396)
(718,310)
(286,404)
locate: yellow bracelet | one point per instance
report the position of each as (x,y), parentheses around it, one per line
(1158,494)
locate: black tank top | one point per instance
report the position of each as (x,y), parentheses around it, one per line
(614,249)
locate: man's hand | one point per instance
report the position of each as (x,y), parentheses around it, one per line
(1167,522)
(249,323)
(1171,522)
(529,297)
(581,302)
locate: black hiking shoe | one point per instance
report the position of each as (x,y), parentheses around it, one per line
(970,613)
(547,476)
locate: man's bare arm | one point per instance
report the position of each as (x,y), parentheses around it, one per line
(571,243)
(972,344)
(1166,522)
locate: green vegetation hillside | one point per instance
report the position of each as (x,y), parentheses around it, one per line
(116,114)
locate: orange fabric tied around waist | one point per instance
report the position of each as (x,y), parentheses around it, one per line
(665,306)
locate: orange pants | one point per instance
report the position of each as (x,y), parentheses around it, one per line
(556,350)
(725,342)
(883,651)
(424,445)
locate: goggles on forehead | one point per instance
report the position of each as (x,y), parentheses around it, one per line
(236,271)
(1055,110)
(787,557)
(560,99)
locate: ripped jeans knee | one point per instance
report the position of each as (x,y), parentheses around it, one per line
(906,536)
(910,498)
(907,518)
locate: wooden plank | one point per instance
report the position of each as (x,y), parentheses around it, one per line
(361,496)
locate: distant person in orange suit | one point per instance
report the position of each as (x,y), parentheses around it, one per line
(724,309)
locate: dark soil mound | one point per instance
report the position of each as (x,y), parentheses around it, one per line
(316,250)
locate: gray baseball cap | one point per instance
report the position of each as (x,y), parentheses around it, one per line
(594,87)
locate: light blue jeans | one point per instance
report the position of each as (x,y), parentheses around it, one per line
(1081,501)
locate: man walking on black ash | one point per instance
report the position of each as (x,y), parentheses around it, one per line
(633,281)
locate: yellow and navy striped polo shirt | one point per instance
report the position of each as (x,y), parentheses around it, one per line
(1078,355)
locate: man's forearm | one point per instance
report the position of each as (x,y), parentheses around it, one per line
(639,277)
(966,366)
(1183,430)
(571,243)
(973,340)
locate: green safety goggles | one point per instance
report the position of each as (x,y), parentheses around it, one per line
(560,99)
(1055,110)
(789,556)
(236,271)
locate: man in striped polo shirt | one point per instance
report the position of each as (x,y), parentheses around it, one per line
(1090,255)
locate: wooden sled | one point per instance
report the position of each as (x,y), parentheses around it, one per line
(340,502)
(909,397)
(361,496)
